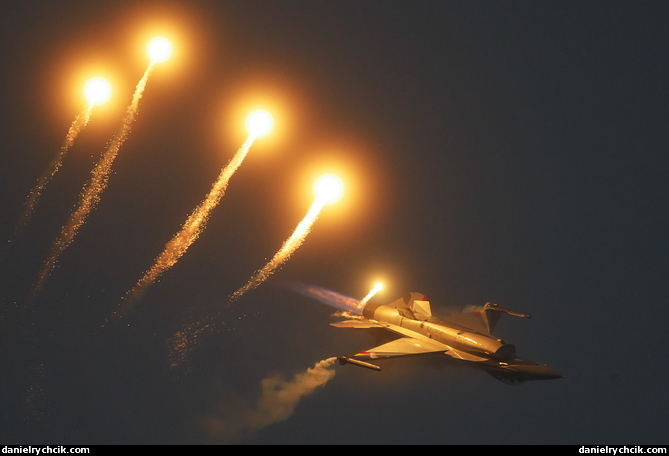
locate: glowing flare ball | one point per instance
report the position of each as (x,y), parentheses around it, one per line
(259,123)
(159,49)
(329,188)
(97,91)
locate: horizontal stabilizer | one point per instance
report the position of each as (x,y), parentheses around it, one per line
(357,324)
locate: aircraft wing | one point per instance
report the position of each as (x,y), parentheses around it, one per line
(409,344)
(362,323)
(404,346)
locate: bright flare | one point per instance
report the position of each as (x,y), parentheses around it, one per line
(369,296)
(159,49)
(97,91)
(259,123)
(92,191)
(324,195)
(329,188)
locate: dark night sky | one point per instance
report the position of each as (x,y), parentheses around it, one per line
(495,151)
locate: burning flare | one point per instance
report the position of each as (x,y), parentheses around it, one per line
(159,49)
(97,91)
(259,123)
(328,190)
(92,191)
(369,296)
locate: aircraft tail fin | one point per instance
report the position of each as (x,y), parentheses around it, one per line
(491,313)
(417,303)
(483,319)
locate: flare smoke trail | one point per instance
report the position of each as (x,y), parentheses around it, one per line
(77,126)
(189,232)
(293,242)
(183,342)
(279,399)
(370,295)
(90,194)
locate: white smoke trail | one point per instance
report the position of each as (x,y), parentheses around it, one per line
(277,403)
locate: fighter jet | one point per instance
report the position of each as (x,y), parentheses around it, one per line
(465,337)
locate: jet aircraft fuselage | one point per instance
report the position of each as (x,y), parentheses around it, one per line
(436,330)
(466,336)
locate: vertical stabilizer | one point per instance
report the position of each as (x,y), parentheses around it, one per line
(421,307)
(491,313)
(481,318)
